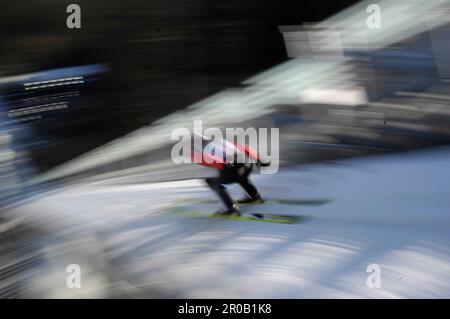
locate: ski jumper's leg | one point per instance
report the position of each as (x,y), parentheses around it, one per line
(216,185)
(249,188)
(246,184)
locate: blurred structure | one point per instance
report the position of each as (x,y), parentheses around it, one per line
(163,56)
(346,90)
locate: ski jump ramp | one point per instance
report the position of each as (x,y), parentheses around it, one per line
(391,211)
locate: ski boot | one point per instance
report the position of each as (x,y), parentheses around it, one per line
(233,211)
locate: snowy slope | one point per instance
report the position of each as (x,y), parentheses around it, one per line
(391,210)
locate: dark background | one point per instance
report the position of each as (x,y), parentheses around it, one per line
(164,55)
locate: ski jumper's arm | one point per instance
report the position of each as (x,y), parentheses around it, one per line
(253,154)
(248,151)
(208,160)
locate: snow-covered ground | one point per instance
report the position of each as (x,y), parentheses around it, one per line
(391,210)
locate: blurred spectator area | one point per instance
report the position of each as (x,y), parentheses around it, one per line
(162,56)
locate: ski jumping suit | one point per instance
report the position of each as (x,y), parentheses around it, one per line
(236,171)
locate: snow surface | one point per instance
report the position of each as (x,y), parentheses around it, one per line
(391,210)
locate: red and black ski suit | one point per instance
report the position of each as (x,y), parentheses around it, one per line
(229,172)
